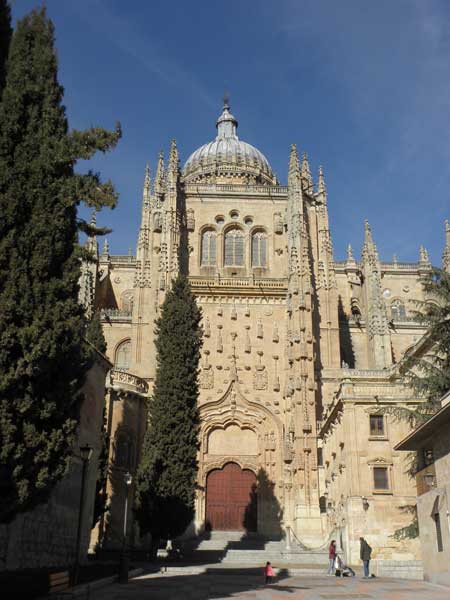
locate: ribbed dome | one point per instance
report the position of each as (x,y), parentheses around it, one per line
(228,157)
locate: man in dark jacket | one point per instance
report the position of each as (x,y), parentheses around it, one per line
(365,553)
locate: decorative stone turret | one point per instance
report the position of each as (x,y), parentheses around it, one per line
(88,270)
(377,321)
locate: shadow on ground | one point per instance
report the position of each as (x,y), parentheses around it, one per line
(213,583)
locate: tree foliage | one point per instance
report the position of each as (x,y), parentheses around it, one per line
(5,38)
(43,356)
(94,333)
(428,372)
(167,474)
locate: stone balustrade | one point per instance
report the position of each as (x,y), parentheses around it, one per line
(115,314)
(212,188)
(127,381)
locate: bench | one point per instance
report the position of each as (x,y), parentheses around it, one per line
(58,582)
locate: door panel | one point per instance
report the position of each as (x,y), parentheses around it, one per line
(231,500)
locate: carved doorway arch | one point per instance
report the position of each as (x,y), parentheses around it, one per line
(231,499)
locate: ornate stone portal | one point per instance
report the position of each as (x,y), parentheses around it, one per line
(285,328)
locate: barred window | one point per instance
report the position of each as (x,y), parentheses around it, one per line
(380,478)
(259,244)
(123,356)
(208,255)
(398,310)
(234,248)
(376,425)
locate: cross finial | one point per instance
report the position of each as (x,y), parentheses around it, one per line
(226,99)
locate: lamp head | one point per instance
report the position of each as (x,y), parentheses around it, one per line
(85,452)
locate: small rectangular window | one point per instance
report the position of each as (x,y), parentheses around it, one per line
(380,478)
(377,425)
(320,457)
(437,522)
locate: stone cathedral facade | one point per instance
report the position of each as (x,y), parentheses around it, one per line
(299,351)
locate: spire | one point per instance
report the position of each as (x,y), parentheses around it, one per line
(294,167)
(105,251)
(321,187)
(91,243)
(307,181)
(147,188)
(351,262)
(160,175)
(446,253)
(369,248)
(226,124)
(173,165)
(350,257)
(377,322)
(423,255)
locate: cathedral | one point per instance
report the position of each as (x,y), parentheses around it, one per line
(301,353)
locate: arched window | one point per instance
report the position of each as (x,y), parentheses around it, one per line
(127,301)
(208,255)
(234,248)
(123,356)
(398,311)
(259,249)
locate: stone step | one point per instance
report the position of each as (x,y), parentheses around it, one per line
(262,556)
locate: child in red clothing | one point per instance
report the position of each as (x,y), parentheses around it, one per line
(268,572)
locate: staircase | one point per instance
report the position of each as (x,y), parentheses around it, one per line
(233,548)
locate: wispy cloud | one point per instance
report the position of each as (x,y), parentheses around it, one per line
(121,32)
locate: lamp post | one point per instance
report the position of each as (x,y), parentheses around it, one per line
(85,455)
(124,559)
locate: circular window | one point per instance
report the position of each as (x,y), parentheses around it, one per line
(234,214)
(387,293)
(248,221)
(220,220)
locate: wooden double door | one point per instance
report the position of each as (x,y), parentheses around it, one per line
(231,499)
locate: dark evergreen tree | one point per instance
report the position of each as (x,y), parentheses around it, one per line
(94,333)
(167,474)
(428,373)
(43,356)
(5,38)
(101,497)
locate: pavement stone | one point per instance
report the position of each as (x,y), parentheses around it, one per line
(246,584)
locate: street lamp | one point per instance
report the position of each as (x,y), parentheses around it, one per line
(124,559)
(429,479)
(85,455)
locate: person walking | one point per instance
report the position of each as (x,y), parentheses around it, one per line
(268,573)
(332,557)
(365,553)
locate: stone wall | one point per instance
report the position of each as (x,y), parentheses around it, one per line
(46,535)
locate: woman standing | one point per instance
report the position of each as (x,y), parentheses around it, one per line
(332,557)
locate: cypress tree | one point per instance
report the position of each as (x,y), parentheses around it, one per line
(5,38)
(43,356)
(94,333)
(167,473)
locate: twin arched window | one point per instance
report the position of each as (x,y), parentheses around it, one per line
(123,356)
(259,244)
(234,248)
(208,248)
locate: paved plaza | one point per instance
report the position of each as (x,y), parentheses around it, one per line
(220,584)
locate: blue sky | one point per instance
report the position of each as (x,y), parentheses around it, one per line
(362,86)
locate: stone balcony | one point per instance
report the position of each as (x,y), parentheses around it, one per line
(127,382)
(115,315)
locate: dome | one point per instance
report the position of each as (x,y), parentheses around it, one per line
(228,158)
